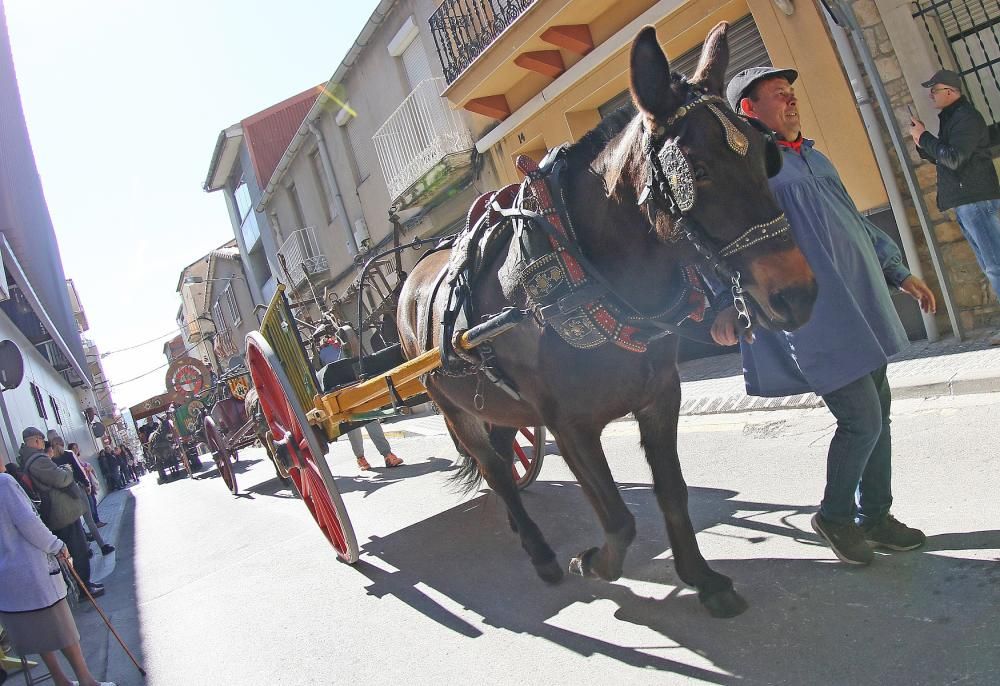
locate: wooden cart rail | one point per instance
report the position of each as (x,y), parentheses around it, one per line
(279,329)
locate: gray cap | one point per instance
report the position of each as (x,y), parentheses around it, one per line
(945,77)
(744,81)
(31,431)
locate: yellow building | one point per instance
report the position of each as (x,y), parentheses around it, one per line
(556,67)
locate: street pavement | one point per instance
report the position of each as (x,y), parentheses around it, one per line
(211,589)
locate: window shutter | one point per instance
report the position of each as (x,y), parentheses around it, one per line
(415,63)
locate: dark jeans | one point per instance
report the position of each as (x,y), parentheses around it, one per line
(76,540)
(860,456)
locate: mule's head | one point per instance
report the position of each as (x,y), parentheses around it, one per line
(715,166)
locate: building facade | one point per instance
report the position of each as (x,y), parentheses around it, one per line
(362,151)
(39,334)
(244,158)
(217,309)
(546,71)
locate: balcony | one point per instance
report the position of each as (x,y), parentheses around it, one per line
(301,257)
(463,29)
(423,146)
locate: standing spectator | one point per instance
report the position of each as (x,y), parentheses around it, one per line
(966,178)
(65,503)
(130,461)
(65,458)
(33,607)
(350,346)
(106,462)
(95,485)
(121,465)
(842,353)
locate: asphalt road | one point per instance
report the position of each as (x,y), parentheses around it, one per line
(224,590)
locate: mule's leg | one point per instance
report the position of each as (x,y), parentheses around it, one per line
(581,447)
(658,431)
(472,433)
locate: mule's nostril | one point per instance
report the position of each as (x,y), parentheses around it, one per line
(793,305)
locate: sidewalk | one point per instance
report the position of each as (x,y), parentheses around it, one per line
(714,385)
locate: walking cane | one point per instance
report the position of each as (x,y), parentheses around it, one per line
(107,621)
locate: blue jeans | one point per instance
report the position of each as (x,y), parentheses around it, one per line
(980,222)
(860,456)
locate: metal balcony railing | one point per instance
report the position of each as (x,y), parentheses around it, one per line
(463,29)
(418,135)
(301,256)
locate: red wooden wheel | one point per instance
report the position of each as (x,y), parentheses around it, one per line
(219,446)
(309,472)
(529,450)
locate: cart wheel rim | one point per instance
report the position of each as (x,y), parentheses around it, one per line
(529,449)
(221,455)
(318,493)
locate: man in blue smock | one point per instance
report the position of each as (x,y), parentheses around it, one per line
(841,354)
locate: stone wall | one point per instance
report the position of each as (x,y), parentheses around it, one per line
(970,289)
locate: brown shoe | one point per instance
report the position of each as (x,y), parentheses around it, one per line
(392,461)
(363,465)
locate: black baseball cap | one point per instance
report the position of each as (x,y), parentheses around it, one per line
(744,81)
(944,77)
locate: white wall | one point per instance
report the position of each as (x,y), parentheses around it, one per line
(20,404)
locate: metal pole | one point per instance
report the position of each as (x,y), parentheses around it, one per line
(884,164)
(844,15)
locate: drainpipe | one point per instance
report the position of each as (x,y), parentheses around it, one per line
(843,14)
(882,159)
(331,179)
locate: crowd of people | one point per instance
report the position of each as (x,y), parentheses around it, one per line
(119,466)
(46,497)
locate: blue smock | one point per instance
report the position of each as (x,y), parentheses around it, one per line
(854,327)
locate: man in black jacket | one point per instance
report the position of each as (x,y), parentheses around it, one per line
(967,179)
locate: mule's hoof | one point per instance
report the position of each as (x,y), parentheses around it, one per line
(550,572)
(725,604)
(581,564)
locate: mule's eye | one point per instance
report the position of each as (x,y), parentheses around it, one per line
(700,173)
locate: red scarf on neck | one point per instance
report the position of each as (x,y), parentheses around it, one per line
(795,145)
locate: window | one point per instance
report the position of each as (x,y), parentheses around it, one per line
(297,213)
(963,36)
(242,197)
(362,147)
(314,162)
(746,49)
(234,307)
(36,393)
(55,410)
(219,317)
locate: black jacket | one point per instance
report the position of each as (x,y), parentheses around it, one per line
(961,152)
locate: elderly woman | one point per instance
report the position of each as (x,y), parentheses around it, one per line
(33,607)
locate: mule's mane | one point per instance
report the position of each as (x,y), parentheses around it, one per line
(612,149)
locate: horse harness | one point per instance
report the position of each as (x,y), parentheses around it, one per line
(562,289)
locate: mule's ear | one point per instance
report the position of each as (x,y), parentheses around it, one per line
(650,76)
(711,71)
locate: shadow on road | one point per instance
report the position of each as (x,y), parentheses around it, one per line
(379,477)
(910,618)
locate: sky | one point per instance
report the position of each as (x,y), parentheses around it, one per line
(124,101)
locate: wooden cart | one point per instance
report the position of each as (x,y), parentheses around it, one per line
(305,415)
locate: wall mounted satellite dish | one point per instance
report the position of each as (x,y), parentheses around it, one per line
(11,366)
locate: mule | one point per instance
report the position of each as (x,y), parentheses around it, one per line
(576,392)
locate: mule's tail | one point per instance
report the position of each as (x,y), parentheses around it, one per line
(468,477)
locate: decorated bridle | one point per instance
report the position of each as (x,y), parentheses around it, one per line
(670,188)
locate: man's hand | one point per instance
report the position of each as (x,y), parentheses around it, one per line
(916,287)
(63,554)
(917,129)
(724,327)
